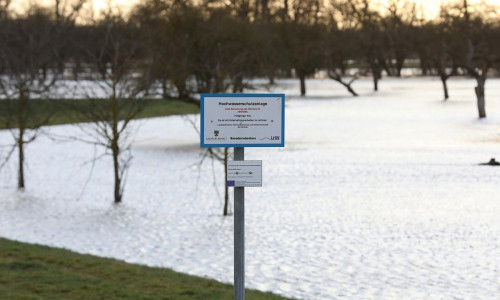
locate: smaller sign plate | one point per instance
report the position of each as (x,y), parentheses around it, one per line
(244,173)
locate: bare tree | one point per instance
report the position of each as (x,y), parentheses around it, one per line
(29,55)
(364,22)
(479,56)
(268,48)
(435,45)
(116,97)
(222,155)
(474,40)
(170,31)
(307,11)
(67,10)
(341,47)
(304,53)
(397,28)
(223,52)
(4,8)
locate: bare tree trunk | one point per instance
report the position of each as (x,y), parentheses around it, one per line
(238,84)
(115,149)
(226,192)
(20,146)
(20,142)
(480,97)
(376,73)
(219,80)
(424,67)
(445,87)
(284,16)
(349,88)
(399,67)
(182,92)
(271,77)
(302,78)
(76,69)
(116,166)
(58,10)
(256,9)
(164,89)
(338,78)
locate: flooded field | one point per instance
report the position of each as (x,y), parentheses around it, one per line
(372,197)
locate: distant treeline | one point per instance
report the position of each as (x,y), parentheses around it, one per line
(213,46)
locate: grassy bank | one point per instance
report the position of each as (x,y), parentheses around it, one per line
(54,112)
(38,272)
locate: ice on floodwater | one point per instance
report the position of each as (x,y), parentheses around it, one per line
(378,196)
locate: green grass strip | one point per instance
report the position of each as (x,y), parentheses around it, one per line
(63,111)
(38,272)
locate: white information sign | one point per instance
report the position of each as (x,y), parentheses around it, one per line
(242,120)
(244,173)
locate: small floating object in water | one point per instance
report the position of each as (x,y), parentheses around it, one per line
(492,162)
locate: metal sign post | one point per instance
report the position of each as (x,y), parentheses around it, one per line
(242,120)
(239,234)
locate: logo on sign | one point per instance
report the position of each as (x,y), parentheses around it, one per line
(216,132)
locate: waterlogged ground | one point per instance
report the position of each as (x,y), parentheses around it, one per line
(375,197)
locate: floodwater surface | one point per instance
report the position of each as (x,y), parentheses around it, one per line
(373,197)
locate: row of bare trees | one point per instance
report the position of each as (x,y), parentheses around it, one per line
(172,48)
(40,50)
(214,46)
